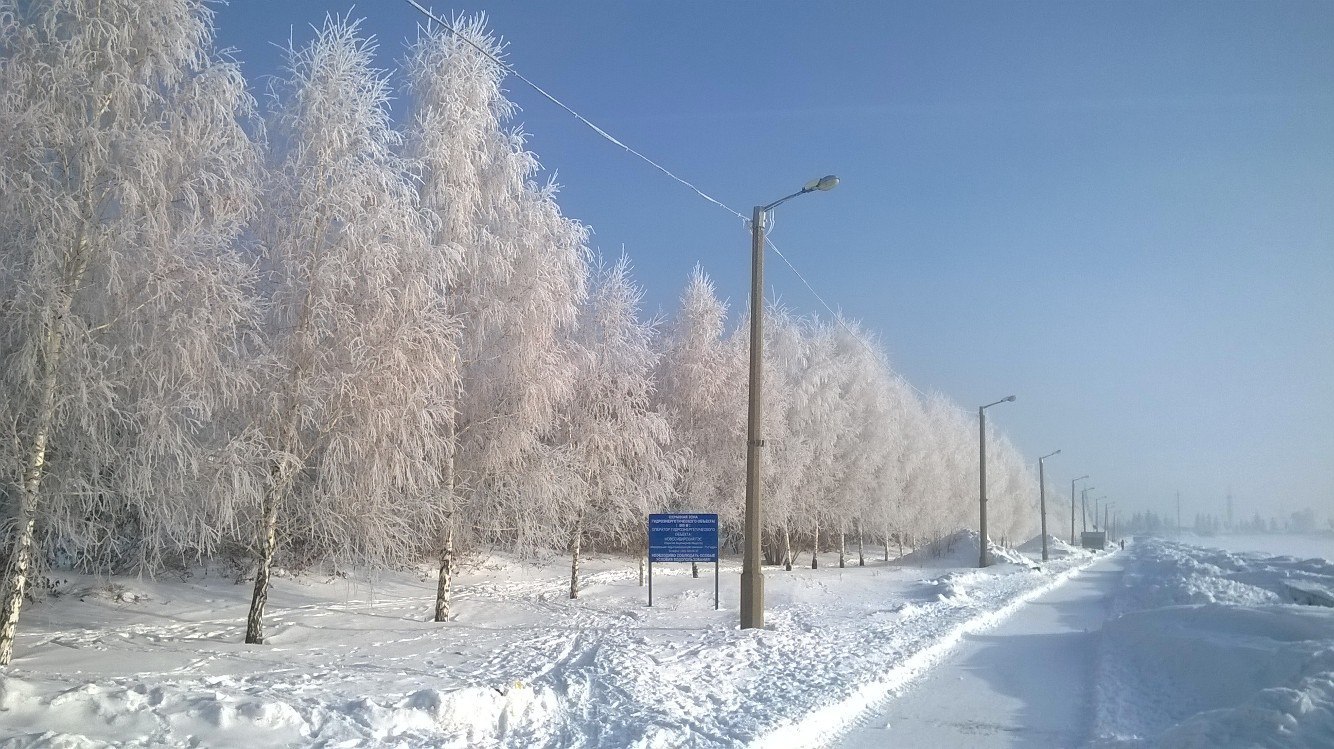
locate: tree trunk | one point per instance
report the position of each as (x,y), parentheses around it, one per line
(281,474)
(815,547)
(842,549)
(20,557)
(861,546)
(886,548)
(694,569)
(641,571)
(254,623)
(900,544)
(575,538)
(444,588)
(787,548)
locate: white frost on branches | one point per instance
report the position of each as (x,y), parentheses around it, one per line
(125,179)
(358,369)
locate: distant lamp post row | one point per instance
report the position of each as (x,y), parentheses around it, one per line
(1042,500)
(982,475)
(752,578)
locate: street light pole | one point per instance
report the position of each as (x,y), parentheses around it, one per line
(1084,508)
(1072,507)
(752,577)
(1042,500)
(982,475)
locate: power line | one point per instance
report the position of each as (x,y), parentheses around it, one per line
(837,317)
(608,136)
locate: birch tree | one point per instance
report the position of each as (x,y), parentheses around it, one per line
(361,350)
(125,178)
(866,443)
(785,453)
(702,395)
(616,440)
(521,278)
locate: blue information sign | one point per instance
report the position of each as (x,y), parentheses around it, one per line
(683,537)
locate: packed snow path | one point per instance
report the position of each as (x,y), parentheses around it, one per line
(1026,683)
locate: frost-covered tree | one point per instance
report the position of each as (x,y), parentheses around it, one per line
(867,442)
(1012,492)
(702,393)
(616,441)
(125,178)
(820,420)
(785,453)
(360,358)
(899,478)
(522,269)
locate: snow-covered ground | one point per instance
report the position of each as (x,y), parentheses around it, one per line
(1302,545)
(139,663)
(1209,648)
(1197,647)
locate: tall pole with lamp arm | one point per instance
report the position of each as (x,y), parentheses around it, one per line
(1042,500)
(982,476)
(1072,507)
(752,577)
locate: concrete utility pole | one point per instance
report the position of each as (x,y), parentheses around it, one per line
(752,577)
(982,475)
(1084,508)
(1042,501)
(1072,508)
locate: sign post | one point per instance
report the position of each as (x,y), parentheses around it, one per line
(683,537)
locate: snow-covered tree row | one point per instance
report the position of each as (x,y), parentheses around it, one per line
(317,335)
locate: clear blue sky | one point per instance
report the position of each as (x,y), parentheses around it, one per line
(1122,212)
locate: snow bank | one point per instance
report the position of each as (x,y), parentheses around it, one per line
(1056,548)
(1208,650)
(959,549)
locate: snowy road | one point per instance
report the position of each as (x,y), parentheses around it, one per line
(1025,683)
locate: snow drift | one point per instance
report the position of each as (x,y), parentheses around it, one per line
(1209,651)
(960,549)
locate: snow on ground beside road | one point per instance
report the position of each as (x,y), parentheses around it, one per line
(1056,548)
(1207,648)
(961,549)
(131,662)
(1300,545)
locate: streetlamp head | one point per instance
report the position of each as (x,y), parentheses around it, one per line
(1058,452)
(1010,399)
(827,182)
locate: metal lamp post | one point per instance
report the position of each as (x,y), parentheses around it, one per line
(752,578)
(1042,500)
(1072,507)
(982,475)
